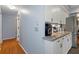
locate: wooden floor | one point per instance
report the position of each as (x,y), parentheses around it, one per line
(11,46)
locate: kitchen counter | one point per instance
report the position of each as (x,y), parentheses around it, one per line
(56,35)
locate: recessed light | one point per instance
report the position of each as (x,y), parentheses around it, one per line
(55,9)
(78,19)
(25,11)
(77,15)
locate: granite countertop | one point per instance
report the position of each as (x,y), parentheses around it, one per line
(56,36)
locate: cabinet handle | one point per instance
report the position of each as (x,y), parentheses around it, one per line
(60,45)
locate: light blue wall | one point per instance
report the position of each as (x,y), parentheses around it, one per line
(8,26)
(32,29)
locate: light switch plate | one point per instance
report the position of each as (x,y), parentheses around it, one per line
(51,19)
(36,29)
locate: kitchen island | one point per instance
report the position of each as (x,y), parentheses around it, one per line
(58,43)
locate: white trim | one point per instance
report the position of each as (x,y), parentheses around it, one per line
(23,48)
(18,43)
(18,25)
(7,38)
(65,9)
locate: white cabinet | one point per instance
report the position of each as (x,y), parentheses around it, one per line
(48,13)
(56,13)
(60,46)
(69,40)
(53,47)
(52,13)
(67,43)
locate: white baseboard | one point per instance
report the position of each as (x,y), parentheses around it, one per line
(8,38)
(22,48)
(18,43)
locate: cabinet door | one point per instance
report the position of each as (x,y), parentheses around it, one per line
(69,41)
(58,46)
(54,47)
(65,44)
(48,13)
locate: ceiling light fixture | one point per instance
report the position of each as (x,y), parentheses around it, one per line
(11,7)
(78,19)
(77,15)
(25,11)
(56,9)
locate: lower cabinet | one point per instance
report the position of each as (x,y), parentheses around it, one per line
(65,44)
(69,40)
(60,46)
(53,47)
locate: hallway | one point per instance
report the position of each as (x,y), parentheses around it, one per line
(11,46)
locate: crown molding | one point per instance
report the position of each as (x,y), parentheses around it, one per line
(65,8)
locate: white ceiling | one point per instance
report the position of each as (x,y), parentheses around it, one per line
(6,10)
(73,8)
(70,8)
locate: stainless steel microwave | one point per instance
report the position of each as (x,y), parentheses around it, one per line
(48,29)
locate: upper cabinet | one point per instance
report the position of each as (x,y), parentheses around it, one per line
(48,13)
(55,14)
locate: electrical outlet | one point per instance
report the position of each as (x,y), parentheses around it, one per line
(51,19)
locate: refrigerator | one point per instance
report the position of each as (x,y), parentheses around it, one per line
(71,26)
(0,26)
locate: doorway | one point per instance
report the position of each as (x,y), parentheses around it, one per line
(10,23)
(77,31)
(10,30)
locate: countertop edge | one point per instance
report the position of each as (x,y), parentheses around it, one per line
(51,38)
